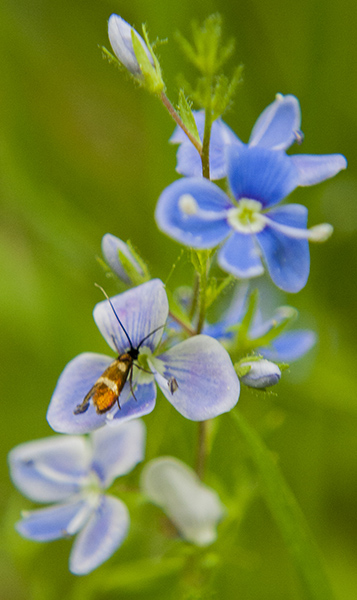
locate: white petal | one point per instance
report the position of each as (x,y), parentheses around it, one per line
(193,507)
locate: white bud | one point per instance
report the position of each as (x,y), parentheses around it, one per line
(119,32)
(111,246)
(194,508)
(262,374)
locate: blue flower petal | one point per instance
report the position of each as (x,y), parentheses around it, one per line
(117,449)
(315,168)
(193,212)
(102,535)
(50,469)
(188,159)
(240,256)
(131,408)
(278,125)
(207,383)
(292,215)
(260,174)
(141,310)
(287,259)
(290,346)
(77,379)
(54,522)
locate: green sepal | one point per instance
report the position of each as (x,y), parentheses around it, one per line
(152,74)
(111,58)
(186,115)
(135,277)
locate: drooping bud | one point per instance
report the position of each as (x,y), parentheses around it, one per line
(259,373)
(194,508)
(123,261)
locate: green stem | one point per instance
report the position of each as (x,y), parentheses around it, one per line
(201,449)
(179,122)
(206,143)
(189,330)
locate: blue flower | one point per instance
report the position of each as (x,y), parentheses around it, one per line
(277,128)
(196,375)
(73,472)
(286,347)
(253,230)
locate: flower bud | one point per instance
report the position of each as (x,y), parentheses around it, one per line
(193,507)
(120,36)
(261,374)
(121,260)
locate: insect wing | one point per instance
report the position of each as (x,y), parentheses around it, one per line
(107,389)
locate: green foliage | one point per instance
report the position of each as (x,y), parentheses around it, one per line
(287,515)
(185,110)
(208,53)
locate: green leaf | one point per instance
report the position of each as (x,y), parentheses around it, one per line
(224,91)
(207,52)
(287,515)
(187,116)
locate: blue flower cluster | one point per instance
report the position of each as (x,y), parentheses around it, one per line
(252,231)
(177,351)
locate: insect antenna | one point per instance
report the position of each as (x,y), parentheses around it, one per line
(116,316)
(149,334)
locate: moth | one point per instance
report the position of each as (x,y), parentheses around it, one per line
(107,389)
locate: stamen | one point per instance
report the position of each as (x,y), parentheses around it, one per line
(247,217)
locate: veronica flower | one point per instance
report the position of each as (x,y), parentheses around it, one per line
(193,507)
(72,473)
(196,375)
(252,231)
(286,347)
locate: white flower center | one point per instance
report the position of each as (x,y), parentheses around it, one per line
(247,216)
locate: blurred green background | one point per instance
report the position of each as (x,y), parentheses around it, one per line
(83,152)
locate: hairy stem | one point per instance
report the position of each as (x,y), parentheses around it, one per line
(180,123)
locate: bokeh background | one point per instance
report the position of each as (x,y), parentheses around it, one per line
(84,152)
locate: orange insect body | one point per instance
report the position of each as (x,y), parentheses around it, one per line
(107,389)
